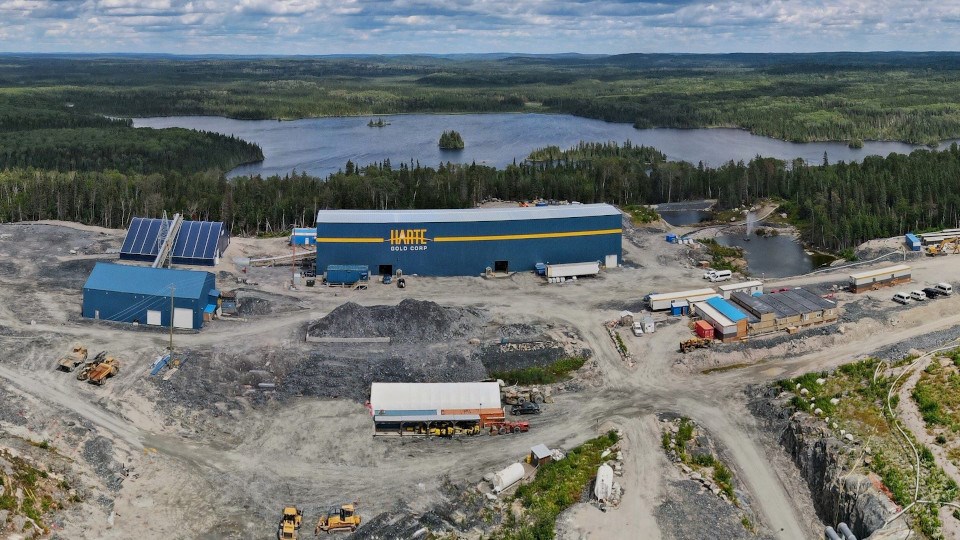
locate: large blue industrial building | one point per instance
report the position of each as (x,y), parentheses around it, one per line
(122,293)
(467,242)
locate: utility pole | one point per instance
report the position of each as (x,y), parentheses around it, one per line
(172,290)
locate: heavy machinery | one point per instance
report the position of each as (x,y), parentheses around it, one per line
(945,247)
(694,343)
(518,395)
(344,518)
(69,362)
(104,370)
(290,523)
(84,372)
(504,427)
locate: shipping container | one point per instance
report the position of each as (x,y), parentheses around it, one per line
(346,274)
(703,329)
(591,268)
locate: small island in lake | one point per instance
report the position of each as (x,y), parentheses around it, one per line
(451,140)
(379,123)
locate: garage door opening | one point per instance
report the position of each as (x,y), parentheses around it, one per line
(183,318)
(386,270)
(501,266)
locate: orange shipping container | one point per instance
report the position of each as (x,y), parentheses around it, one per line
(703,329)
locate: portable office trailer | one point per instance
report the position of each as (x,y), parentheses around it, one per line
(872,280)
(304,237)
(748,287)
(660,302)
(787,309)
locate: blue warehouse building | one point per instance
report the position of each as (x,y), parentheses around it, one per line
(122,293)
(468,241)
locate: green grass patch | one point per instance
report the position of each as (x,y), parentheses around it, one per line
(556,487)
(641,214)
(555,372)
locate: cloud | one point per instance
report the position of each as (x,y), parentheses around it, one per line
(438,26)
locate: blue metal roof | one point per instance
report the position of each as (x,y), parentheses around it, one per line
(466,214)
(726,309)
(145,280)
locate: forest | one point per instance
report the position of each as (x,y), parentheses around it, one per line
(838,205)
(913,97)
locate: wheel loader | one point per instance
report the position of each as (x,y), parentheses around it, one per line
(344,518)
(69,362)
(104,370)
(290,523)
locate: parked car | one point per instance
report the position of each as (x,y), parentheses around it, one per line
(901,298)
(918,296)
(945,288)
(527,407)
(387,279)
(932,292)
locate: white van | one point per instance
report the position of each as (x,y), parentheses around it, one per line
(901,298)
(720,275)
(919,296)
(945,288)
(638,329)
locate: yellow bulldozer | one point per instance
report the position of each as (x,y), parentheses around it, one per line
(290,523)
(344,518)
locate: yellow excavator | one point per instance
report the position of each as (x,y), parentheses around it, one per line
(290,523)
(946,246)
(344,518)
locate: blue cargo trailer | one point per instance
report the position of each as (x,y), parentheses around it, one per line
(346,274)
(912,241)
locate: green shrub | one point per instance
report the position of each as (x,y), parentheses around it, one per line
(555,372)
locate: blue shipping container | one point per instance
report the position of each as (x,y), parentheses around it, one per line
(346,274)
(913,242)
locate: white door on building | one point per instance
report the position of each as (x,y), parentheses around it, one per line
(182,317)
(611,261)
(153,317)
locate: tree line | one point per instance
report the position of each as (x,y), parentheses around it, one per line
(838,205)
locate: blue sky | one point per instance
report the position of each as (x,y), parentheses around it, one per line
(465,26)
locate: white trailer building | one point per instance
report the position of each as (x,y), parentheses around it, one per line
(573,269)
(748,287)
(660,302)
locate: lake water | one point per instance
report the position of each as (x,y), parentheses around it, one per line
(320,146)
(684,217)
(773,256)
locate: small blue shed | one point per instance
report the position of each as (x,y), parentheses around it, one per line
(671,238)
(304,237)
(122,293)
(913,242)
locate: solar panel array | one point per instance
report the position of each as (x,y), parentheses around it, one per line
(197,242)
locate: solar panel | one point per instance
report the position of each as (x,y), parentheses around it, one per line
(197,242)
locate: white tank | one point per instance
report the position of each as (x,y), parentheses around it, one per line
(604,485)
(509,476)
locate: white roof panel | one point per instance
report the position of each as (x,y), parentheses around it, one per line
(744,285)
(466,214)
(880,271)
(426,396)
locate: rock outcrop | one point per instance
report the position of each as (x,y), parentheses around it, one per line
(823,462)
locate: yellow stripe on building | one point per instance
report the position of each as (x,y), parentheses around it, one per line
(526,236)
(321,240)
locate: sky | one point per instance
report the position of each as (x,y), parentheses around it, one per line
(316,27)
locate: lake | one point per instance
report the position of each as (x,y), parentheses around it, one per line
(320,146)
(773,256)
